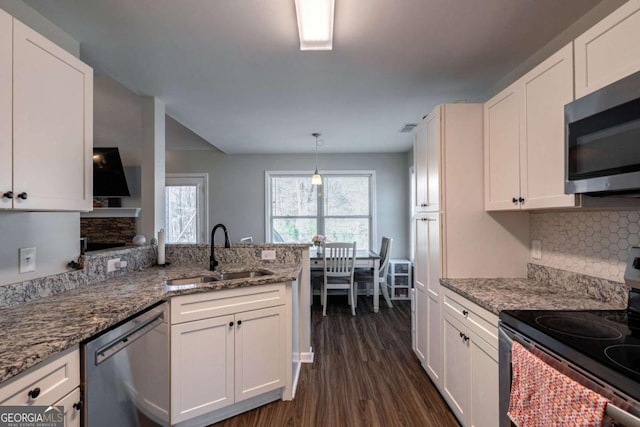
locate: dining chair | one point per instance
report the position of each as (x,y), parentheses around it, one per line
(366,276)
(339,260)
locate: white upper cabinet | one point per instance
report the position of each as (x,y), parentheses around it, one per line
(52,124)
(608,51)
(426,140)
(502,150)
(545,91)
(524,138)
(6,108)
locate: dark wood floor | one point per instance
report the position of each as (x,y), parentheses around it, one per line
(364,374)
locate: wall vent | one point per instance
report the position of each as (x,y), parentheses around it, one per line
(408,127)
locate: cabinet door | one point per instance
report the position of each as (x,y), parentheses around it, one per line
(457,366)
(502,150)
(484,383)
(202,367)
(52,126)
(260,344)
(434,339)
(546,89)
(420,323)
(433,160)
(426,160)
(72,413)
(421,253)
(6,108)
(608,51)
(420,166)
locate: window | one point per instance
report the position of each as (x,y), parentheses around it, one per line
(341,209)
(186,208)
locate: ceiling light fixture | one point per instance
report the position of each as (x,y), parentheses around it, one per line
(316,179)
(315,24)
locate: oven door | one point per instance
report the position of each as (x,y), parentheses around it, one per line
(621,411)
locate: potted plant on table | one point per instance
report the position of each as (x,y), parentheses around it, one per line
(318,241)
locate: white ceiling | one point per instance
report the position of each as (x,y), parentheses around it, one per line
(232,71)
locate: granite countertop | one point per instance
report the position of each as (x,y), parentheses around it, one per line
(33,331)
(521,294)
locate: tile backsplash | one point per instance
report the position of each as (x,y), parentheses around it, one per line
(595,243)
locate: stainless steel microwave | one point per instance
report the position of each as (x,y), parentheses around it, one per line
(602,140)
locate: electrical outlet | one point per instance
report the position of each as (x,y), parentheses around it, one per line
(269,255)
(27,260)
(536,249)
(112,264)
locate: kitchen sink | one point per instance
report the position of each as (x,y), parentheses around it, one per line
(242,275)
(187,282)
(192,282)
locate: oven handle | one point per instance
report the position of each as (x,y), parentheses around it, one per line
(506,337)
(622,416)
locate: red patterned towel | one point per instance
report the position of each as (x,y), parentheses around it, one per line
(543,397)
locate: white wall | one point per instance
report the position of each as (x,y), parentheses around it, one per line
(55,235)
(237,187)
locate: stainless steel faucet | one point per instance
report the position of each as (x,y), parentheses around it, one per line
(213,263)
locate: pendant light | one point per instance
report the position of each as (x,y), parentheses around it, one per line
(316,179)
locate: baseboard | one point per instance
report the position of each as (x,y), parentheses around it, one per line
(307,357)
(233,410)
(296,377)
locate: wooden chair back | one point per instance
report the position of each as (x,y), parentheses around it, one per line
(339,259)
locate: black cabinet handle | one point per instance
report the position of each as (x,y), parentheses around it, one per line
(239,322)
(515,201)
(423,205)
(465,338)
(34,393)
(521,200)
(465,313)
(22,196)
(461,335)
(8,195)
(230,324)
(77,406)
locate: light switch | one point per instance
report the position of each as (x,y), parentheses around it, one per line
(27,260)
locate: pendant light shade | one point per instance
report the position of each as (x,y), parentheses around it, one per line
(316,179)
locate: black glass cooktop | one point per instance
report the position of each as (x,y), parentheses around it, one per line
(604,343)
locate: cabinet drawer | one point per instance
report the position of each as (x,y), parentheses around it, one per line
(479,320)
(72,414)
(229,301)
(54,378)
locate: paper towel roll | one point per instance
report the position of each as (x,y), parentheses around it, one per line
(161,242)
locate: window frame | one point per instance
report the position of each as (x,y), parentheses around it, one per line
(320,217)
(201,182)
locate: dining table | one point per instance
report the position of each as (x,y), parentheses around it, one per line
(365,258)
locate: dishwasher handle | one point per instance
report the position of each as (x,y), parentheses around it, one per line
(127,339)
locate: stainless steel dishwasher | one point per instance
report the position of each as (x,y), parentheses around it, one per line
(126,373)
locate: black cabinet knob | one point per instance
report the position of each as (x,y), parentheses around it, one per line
(461,335)
(8,195)
(521,200)
(22,196)
(239,322)
(230,324)
(465,338)
(515,201)
(423,205)
(78,405)
(34,393)
(465,313)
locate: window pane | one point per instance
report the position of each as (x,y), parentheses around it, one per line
(293,196)
(181,210)
(294,230)
(346,195)
(348,230)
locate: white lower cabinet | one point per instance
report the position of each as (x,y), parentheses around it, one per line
(72,406)
(56,382)
(470,350)
(219,361)
(420,325)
